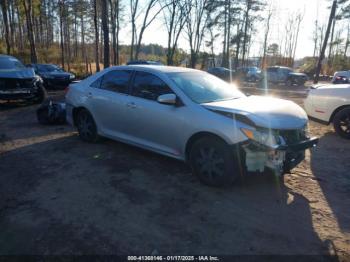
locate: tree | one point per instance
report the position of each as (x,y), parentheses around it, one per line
(97,57)
(196,22)
(28,9)
(61,14)
(147,21)
(250,6)
(115,21)
(175,18)
(267,31)
(104,15)
(3,4)
(324,45)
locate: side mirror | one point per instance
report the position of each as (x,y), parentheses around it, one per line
(167,99)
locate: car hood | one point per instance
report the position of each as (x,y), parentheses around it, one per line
(17,73)
(57,74)
(265,112)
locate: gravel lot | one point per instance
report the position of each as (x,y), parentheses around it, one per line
(59,195)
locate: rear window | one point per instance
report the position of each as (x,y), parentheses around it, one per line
(116,81)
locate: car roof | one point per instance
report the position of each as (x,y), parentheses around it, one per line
(6,56)
(157,68)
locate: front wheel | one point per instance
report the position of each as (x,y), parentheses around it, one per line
(341,123)
(213,162)
(86,126)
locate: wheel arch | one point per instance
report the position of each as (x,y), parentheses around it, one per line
(75,112)
(197,136)
(336,111)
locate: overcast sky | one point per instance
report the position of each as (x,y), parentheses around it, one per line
(312,9)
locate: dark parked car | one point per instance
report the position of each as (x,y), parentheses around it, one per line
(286,75)
(53,76)
(223,73)
(341,77)
(144,62)
(19,82)
(249,73)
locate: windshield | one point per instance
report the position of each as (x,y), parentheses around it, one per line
(7,63)
(48,68)
(204,88)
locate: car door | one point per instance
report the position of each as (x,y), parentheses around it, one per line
(154,125)
(107,99)
(272,74)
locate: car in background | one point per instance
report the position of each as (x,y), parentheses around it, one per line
(192,116)
(53,76)
(223,73)
(249,73)
(330,103)
(341,77)
(144,62)
(18,82)
(285,75)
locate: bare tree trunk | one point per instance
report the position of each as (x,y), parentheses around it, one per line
(133,9)
(104,14)
(263,60)
(228,34)
(246,23)
(61,7)
(299,19)
(28,9)
(223,61)
(113,8)
(83,47)
(321,57)
(97,58)
(6,23)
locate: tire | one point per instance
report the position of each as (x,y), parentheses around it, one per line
(341,123)
(213,162)
(87,128)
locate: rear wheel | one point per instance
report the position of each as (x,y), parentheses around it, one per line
(213,161)
(341,123)
(86,126)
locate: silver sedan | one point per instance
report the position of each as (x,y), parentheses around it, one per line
(192,116)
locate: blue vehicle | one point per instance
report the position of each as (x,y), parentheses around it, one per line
(53,76)
(285,75)
(18,82)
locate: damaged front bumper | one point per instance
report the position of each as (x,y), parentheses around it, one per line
(281,158)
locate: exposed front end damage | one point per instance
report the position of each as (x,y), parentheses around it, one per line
(280,158)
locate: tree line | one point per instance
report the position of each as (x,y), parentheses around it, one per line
(87,32)
(83,29)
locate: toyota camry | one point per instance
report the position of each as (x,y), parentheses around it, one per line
(193,116)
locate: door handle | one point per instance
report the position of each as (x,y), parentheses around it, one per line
(131,105)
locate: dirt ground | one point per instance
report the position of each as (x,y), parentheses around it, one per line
(59,195)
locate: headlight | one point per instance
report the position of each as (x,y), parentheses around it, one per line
(264,137)
(71,76)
